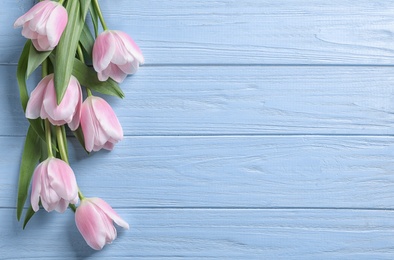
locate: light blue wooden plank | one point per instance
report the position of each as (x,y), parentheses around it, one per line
(235,100)
(240,32)
(212,234)
(231,171)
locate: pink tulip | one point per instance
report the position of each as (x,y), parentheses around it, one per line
(54,182)
(44,24)
(43,103)
(94,219)
(100,126)
(115,55)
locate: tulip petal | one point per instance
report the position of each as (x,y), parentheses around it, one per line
(34,104)
(131,46)
(109,146)
(87,124)
(62,179)
(56,24)
(36,186)
(49,198)
(107,119)
(61,206)
(30,14)
(110,212)
(87,219)
(41,43)
(103,51)
(66,109)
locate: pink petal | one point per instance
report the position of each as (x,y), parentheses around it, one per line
(77,115)
(49,198)
(114,72)
(107,119)
(89,224)
(39,21)
(109,146)
(28,33)
(103,51)
(61,206)
(41,43)
(62,179)
(130,68)
(56,24)
(30,14)
(87,124)
(66,109)
(34,104)
(131,46)
(36,186)
(110,212)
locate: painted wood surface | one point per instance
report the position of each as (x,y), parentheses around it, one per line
(256,130)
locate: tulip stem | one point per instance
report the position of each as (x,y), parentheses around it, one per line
(48,137)
(44,69)
(61,144)
(80,195)
(80,53)
(61,2)
(72,207)
(100,14)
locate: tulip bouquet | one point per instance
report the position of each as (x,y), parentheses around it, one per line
(62,43)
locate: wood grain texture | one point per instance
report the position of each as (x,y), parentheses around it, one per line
(240,100)
(236,171)
(241,32)
(210,234)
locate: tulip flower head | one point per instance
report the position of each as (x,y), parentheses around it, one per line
(43,103)
(100,126)
(94,219)
(54,182)
(115,55)
(44,24)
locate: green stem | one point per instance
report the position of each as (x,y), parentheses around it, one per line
(80,195)
(48,137)
(72,207)
(44,69)
(100,14)
(80,53)
(60,141)
(61,2)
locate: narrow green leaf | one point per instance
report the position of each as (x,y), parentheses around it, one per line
(65,51)
(95,17)
(29,214)
(79,135)
(84,8)
(31,155)
(21,75)
(88,78)
(87,40)
(35,59)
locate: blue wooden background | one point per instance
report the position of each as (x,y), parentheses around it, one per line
(256,129)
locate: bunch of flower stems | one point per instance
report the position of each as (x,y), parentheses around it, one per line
(61,41)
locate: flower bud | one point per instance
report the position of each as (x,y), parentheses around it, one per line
(43,103)
(115,55)
(100,126)
(54,182)
(94,219)
(44,24)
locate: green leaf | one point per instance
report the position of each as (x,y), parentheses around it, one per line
(30,212)
(88,78)
(35,59)
(21,74)
(84,8)
(87,40)
(95,17)
(79,135)
(65,51)
(31,155)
